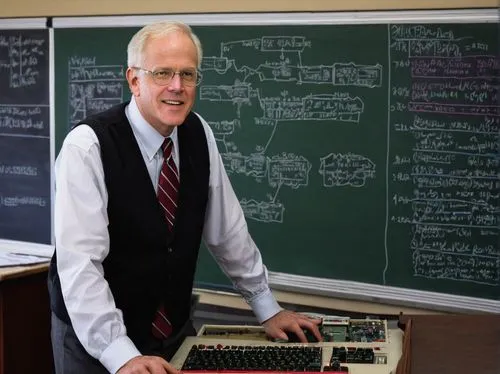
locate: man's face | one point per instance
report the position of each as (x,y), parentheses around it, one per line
(165,106)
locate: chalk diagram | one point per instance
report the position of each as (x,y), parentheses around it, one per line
(278,59)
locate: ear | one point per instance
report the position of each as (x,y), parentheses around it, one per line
(133,81)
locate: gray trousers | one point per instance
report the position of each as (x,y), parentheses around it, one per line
(69,355)
(71,358)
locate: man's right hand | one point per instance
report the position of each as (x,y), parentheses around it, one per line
(147,365)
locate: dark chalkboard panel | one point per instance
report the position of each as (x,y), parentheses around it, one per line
(25,191)
(359,152)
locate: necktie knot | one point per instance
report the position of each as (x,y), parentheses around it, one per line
(167,147)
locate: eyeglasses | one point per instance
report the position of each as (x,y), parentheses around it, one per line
(162,77)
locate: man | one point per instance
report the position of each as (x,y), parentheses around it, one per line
(125,246)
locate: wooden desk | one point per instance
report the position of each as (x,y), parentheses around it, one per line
(25,321)
(468,343)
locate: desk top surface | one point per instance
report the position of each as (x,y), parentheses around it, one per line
(12,272)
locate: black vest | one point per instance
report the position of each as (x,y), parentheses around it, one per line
(147,264)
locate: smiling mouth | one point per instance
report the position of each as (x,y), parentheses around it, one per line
(172,102)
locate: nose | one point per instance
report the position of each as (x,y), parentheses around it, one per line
(175,83)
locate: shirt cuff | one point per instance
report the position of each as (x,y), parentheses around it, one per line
(118,353)
(264,306)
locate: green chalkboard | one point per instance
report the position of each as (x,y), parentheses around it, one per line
(25,135)
(364,153)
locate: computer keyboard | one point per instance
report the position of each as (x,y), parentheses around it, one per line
(245,349)
(274,358)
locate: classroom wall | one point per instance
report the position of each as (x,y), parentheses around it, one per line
(31,8)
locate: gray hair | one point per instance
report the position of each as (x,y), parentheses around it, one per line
(137,44)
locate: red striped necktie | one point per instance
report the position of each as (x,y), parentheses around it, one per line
(168,187)
(168,183)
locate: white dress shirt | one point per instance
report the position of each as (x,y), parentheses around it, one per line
(82,239)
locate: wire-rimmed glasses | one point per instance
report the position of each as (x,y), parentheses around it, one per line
(162,77)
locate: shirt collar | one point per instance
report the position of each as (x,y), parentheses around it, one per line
(146,134)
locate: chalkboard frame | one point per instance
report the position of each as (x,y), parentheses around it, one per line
(27,247)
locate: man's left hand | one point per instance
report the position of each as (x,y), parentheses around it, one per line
(277,325)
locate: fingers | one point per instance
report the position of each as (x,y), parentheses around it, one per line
(300,333)
(147,365)
(312,326)
(277,333)
(292,322)
(170,369)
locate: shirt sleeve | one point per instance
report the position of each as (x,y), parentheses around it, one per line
(82,244)
(227,238)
